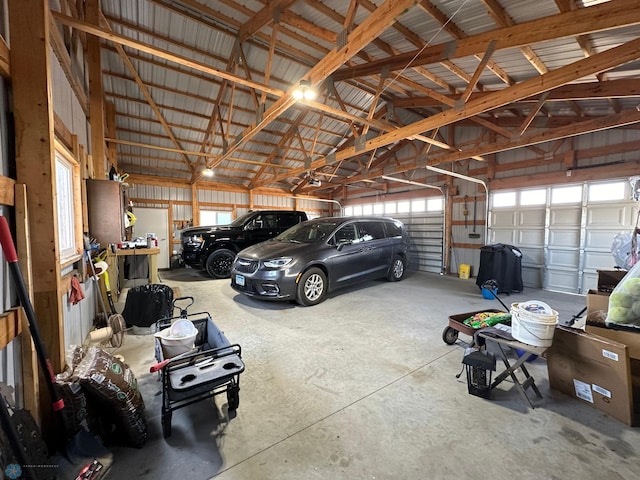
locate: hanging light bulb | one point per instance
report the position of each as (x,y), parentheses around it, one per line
(304,91)
(207,172)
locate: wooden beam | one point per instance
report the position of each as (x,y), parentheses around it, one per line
(112,152)
(35,162)
(60,50)
(96,94)
(361,36)
(624,88)
(5,63)
(534,111)
(6,191)
(476,75)
(602,17)
(147,95)
(597,63)
(158,52)
(262,18)
(10,326)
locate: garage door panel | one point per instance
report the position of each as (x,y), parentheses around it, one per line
(599,239)
(503,236)
(562,280)
(610,216)
(530,237)
(564,237)
(560,217)
(532,256)
(599,261)
(563,258)
(589,281)
(531,277)
(531,218)
(502,218)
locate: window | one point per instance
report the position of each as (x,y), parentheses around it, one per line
(367,209)
(418,206)
(533,197)
(603,192)
(390,207)
(210,217)
(68,204)
(357,209)
(504,199)
(371,231)
(435,204)
(404,207)
(378,208)
(571,194)
(346,234)
(394,229)
(348,211)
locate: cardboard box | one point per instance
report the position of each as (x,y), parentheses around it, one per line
(597,306)
(629,338)
(608,279)
(597,371)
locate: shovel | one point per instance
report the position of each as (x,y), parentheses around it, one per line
(88,442)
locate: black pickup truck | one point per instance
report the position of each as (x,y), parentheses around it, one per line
(214,248)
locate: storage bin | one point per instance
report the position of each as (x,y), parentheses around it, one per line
(464,271)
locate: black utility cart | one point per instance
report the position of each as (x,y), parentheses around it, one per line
(213,366)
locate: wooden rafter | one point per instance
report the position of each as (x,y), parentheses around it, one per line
(597,63)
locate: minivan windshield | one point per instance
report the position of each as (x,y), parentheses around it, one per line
(308,232)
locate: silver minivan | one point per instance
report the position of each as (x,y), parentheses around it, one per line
(318,256)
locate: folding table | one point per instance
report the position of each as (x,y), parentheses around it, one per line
(502,347)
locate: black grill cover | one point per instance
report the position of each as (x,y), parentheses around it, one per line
(502,263)
(147,304)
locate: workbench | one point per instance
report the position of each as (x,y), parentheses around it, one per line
(115,261)
(501,347)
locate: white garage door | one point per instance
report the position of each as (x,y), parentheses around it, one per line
(565,232)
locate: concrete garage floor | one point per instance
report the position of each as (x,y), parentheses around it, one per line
(363,387)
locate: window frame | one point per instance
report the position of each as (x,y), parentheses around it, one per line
(68,211)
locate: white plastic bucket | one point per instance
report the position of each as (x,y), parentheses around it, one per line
(178,338)
(533,328)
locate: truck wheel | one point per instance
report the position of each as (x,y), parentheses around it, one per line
(219,263)
(312,287)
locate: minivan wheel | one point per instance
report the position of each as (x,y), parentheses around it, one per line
(219,263)
(397,269)
(312,287)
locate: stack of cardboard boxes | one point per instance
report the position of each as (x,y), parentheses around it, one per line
(600,365)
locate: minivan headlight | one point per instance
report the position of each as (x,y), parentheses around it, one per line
(277,262)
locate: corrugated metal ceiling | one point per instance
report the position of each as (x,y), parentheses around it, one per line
(220,114)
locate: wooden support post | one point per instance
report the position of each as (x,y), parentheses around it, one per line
(112,148)
(195,206)
(30,379)
(35,164)
(96,94)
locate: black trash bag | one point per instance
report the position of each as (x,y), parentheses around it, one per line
(147,304)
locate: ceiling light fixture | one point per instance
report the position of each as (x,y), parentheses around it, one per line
(207,172)
(304,91)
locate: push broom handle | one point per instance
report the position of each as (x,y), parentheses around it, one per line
(9,250)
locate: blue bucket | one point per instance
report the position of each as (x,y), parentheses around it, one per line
(486,293)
